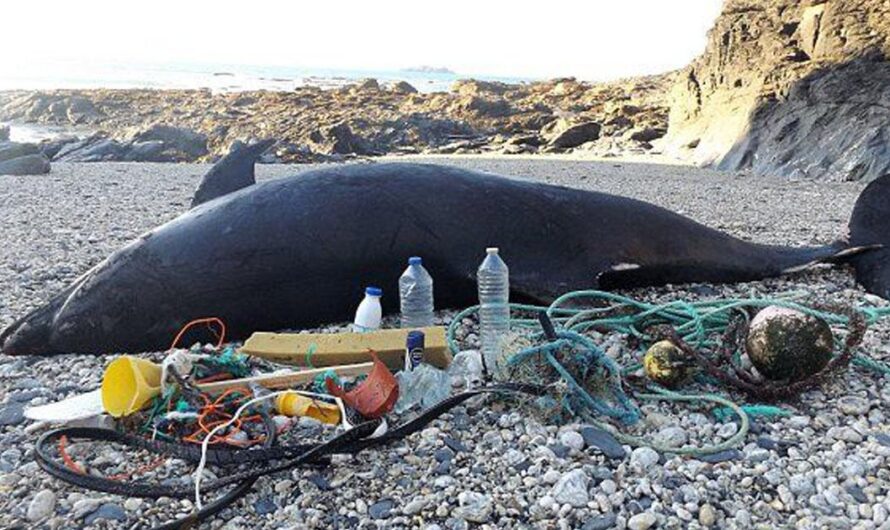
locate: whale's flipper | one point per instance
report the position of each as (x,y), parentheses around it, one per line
(233,172)
(870,225)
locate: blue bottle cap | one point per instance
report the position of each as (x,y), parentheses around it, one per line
(415,260)
(373,291)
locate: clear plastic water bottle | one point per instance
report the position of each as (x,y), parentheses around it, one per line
(416,295)
(493,280)
(369,312)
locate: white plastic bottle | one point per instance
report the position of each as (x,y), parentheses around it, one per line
(493,280)
(416,295)
(369,313)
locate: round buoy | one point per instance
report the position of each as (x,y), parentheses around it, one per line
(665,364)
(785,344)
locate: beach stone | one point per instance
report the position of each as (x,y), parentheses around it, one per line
(604,441)
(381,509)
(571,488)
(882,438)
(191,143)
(414,507)
(11,150)
(551,476)
(600,522)
(474,507)
(564,136)
(727,455)
(42,505)
(845,434)
(853,405)
(559,450)
(857,494)
(641,521)
(671,436)
(133,504)
(368,84)
(727,429)
(12,414)
(758,455)
(572,439)
(26,165)
(455,445)
(642,458)
(707,515)
(109,511)
(646,134)
(852,467)
(84,507)
(801,485)
(443,454)
(264,506)
(403,87)
(608,486)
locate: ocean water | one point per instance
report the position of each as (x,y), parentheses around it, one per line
(216,77)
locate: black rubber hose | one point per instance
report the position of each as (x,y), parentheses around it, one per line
(286,457)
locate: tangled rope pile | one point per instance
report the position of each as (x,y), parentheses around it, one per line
(693,326)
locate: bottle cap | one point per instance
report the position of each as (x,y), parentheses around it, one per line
(373,291)
(415,260)
(492,250)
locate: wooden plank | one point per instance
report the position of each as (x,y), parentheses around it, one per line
(287,379)
(334,349)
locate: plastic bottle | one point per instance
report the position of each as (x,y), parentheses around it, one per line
(369,313)
(416,295)
(424,386)
(493,280)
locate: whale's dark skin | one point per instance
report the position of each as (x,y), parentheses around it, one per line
(297,252)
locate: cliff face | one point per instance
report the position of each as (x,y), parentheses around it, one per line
(800,89)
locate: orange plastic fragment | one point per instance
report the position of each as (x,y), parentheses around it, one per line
(375,396)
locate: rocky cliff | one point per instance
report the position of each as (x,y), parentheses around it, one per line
(800,89)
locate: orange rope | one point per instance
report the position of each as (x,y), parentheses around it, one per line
(214,378)
(139,470)
(221,336)
(214,408)
(67,459)
(72,465)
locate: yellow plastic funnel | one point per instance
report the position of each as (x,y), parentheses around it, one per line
(128,384)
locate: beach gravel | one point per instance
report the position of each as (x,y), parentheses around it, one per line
(487,464)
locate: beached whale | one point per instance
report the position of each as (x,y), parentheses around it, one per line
(297,252)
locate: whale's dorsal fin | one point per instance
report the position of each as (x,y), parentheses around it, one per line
(233,172)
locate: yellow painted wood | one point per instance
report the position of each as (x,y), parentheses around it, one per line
(334,349)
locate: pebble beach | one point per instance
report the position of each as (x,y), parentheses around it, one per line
(488,464)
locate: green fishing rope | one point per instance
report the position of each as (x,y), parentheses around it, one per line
(698,323)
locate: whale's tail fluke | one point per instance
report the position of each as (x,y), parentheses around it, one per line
(870,225)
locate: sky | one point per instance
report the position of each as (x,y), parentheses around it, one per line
(592,39)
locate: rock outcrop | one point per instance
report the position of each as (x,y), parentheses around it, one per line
(366,119)
(799,89)
(22,159)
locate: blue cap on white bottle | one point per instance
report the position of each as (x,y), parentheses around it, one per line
(373,291)
(415,260)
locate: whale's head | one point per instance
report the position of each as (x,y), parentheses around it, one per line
(29,335)
(74,321)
